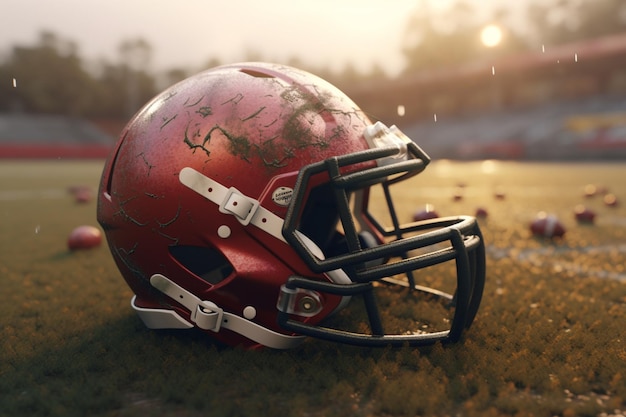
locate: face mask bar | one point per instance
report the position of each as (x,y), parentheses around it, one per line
(461,234)
(470,268)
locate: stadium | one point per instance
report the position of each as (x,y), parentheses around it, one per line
(530,144)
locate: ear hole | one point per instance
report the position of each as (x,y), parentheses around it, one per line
(206,263)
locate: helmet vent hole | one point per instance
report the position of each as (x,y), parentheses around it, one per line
(256,74)
(206,263)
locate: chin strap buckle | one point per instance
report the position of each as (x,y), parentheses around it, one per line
(231,201)
(239,205)
(205,314)
(208,316)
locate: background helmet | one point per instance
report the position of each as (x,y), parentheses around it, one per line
(237,202)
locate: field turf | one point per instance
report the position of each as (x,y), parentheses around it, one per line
(549,339)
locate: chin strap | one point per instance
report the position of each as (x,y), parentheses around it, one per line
(208,316)
(246,210)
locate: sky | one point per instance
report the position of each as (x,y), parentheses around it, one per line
(187,33)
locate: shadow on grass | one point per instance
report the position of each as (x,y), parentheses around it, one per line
(120,368)
(125,369)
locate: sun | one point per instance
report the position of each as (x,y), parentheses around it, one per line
(491,36)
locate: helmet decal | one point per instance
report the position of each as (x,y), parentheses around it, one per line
(282,196)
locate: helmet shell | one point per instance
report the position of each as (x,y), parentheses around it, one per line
(250,126)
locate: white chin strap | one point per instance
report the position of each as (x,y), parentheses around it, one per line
(246,210)
(207,316)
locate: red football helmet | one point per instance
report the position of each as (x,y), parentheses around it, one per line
(236,202)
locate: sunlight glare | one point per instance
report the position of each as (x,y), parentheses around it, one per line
(491,36)
(488,166)
(444,168)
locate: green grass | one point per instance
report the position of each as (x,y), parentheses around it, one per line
(549,338)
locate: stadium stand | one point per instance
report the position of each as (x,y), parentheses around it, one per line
(51,136)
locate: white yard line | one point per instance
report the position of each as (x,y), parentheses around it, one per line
(550,256)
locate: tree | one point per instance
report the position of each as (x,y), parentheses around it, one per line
(174,75)
(563,21)
(49,78)
(453,38)
(135,57)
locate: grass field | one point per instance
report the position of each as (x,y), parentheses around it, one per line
(549,339)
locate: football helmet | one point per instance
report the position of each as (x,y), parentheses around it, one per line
(239,201)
